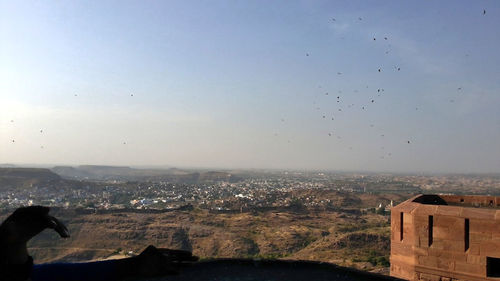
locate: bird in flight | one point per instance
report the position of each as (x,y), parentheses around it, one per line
(484,12)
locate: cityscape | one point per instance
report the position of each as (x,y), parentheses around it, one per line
(224,191)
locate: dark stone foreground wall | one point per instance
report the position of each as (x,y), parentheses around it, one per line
(270,270)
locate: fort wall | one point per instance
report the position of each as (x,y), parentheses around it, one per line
(446,237)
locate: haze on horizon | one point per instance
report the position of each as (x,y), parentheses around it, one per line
(411,86)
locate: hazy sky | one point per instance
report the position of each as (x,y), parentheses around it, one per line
(242,84)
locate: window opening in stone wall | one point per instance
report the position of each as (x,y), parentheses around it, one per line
(431,225)
(492,267)
(466,234)
(401,226)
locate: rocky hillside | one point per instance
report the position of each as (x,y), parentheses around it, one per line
(346,239)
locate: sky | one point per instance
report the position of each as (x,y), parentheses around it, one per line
(393,86)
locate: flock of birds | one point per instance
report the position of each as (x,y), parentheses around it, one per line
(42,131)
(379,93)
(339,101)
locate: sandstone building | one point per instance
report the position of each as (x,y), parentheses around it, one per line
(446,237)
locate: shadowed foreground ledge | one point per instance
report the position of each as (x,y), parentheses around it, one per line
(269,270)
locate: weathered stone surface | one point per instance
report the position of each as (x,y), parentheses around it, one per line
(446,252)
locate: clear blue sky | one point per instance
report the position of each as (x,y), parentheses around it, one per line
(242,84)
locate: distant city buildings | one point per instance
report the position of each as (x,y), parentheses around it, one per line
(266,190)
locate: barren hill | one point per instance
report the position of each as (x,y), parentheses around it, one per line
(326,236)
(26,177)
(93,172)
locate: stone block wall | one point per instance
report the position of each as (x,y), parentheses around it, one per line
(446,238)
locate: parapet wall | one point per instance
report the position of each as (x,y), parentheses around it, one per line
(271,270)
(446,237)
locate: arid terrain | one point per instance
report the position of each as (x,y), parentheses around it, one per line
(345,236)
(115,212)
